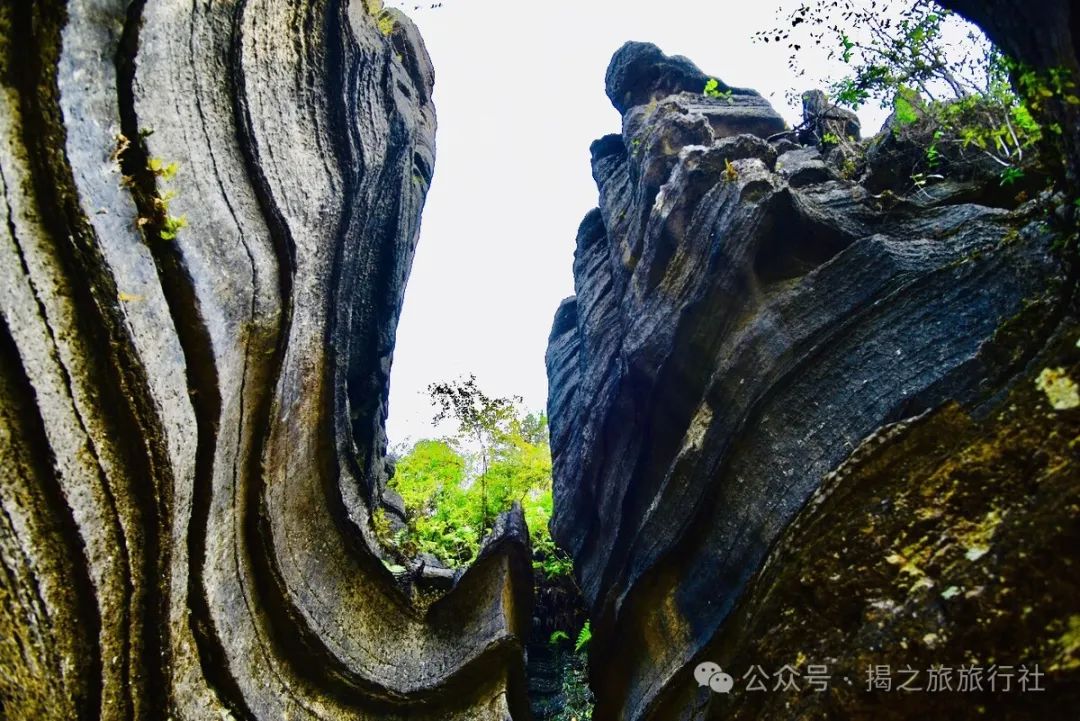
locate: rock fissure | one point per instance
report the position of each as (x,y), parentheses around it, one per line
(193,388)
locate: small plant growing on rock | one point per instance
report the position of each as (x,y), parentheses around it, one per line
(172,225)
(384,20)
(956,96)
(584,636)
(577,697)
(163,170)
(712,90)
(731,173)
(849,169)
(168,225)
(558,637)
(1010,175)
(142,176)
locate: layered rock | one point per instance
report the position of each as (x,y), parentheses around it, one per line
(744,319)
(211,211)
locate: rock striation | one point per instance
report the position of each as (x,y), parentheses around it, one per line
(795,416)
(746,316)
(211,211)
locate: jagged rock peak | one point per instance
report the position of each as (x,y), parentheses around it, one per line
(822,117)
(640,75)
(746,313)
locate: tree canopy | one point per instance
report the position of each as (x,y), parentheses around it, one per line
(454,487)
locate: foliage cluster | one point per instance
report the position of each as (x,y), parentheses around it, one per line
(577,696)
(995,125)
(156,216)
(883,45)
(731,173)
(453,488)
(943,80)
(384,20)
(712,90)
(170,224)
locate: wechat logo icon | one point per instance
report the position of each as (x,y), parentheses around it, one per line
(711,675)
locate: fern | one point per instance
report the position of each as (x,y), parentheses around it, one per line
(583,638)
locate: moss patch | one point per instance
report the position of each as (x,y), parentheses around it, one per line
(954,543)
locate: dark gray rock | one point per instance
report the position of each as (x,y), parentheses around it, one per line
(393,502)
(740,324)
(640,76)
(784,143)
(822,118)
(192,418)
(430,561)
(803,166)
(641,72)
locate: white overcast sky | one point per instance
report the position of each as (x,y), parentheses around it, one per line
(519,93)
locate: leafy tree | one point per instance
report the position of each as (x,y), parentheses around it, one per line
(453,488)
(481,419)
(885,45)
(959,96)
(421,476)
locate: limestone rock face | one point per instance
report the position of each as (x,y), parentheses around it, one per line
(742,322)
(822,118)
(211,211)
(640,74)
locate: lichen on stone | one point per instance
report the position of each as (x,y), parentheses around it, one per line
(1061,390)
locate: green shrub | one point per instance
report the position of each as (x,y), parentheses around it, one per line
(454,488)
(712,90)
(969,101)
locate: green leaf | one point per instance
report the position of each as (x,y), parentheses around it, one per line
(903,107)
(584,636)
(1011,175)
(172,226)
(712,90)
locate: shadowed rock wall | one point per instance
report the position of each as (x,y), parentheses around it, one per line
(211,209)
(192,431)
(745,317)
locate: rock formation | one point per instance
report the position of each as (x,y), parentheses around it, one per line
(772,400)
(796,420)
(211,211)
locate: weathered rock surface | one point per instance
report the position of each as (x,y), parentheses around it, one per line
(822,118)
(191,429)
(192,416)
(640,75)
(742,322)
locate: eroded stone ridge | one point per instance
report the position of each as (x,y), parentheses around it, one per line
(745,315)
(211,210)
